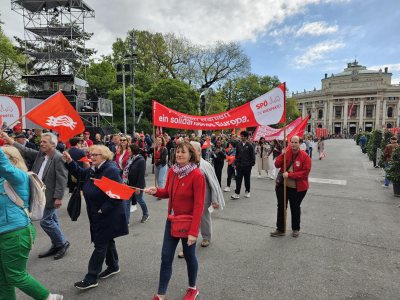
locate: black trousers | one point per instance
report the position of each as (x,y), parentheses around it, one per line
(218,170)
(294,198)
(231,173)
(102,251)
(243,172)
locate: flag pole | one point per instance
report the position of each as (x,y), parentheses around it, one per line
(284,162)
(154,156)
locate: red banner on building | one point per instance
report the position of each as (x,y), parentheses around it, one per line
(265,110)
(394,130)
(321,132)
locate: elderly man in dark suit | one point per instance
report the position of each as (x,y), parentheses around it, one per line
(49,165)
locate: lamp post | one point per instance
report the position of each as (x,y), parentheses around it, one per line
(133,60)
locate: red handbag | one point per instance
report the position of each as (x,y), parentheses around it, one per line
(180,225)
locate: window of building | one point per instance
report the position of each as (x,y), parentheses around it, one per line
(338,112)
(320,114)
(369,111)
(390,112)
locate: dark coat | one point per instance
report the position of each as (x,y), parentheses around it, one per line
(112,222)
(245,155)
(137,171)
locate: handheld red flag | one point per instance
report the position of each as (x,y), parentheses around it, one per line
(299,130)
(85,159)
(57,113)
(114,189)
(206,144)
(230,159)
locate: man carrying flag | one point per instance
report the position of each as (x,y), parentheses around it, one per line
(106,212)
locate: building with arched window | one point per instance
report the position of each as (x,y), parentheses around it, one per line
(356,99)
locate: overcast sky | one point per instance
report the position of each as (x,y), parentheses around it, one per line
(297,40)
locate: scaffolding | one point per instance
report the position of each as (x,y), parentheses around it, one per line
(54,37)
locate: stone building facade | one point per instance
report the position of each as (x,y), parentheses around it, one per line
(352,101)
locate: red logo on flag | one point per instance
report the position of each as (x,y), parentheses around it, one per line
(57,113)
(114,189)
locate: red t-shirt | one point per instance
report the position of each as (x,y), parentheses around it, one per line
(188,195)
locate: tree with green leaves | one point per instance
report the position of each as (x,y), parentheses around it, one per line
(11,65)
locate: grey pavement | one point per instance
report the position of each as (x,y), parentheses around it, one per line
(349,246)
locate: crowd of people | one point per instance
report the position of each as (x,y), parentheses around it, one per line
(188,172)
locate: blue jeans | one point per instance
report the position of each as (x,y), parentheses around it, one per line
(387,181)
(139,199)
(167,257)
(161,172)
(50,225)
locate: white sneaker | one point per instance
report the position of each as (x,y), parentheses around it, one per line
(227,189)
(133,208)
(55,297)
(235,196)
(247,194)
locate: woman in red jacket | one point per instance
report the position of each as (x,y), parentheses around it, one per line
(185,187)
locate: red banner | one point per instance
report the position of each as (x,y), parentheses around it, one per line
(265,110)
(394,130)
(271,134)
(10,109)
(321,132)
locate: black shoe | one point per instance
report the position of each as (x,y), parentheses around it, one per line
(84,285)
(53,250)
(107,273)
(61,251)
(144,219)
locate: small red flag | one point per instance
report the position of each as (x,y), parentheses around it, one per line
(299,129)
(57,113)
(206,144)
(85,159)
(114,189)
(230,159)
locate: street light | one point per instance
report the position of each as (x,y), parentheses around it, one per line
(133,58)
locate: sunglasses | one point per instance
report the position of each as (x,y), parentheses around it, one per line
(123,140)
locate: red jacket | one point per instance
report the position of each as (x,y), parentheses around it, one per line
(301,167)
(188,196)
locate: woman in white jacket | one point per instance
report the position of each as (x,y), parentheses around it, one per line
(263,150)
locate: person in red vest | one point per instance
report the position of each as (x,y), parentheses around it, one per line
(88,141)
(298,167)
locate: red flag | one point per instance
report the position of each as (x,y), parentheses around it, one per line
(206,144)
(85,159)
(159,131)
(350,109)
(230,159)
(1,121)
(114,189)
(57,113)
(299,130)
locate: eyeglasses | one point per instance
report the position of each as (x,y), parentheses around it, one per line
(94,154)
(123,140)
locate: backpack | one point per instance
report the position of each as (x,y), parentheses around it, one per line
(37,198)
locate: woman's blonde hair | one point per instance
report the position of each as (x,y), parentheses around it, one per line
(103,150)
(15,157)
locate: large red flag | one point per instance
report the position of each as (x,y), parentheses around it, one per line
(114,189)
(57,113)
(299,130)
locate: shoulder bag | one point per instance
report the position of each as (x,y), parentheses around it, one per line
(180,225)
(279,177)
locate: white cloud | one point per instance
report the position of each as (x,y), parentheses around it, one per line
(317,53)
(396,80)
(316,29)
(202,22)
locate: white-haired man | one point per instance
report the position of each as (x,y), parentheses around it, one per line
(49,166)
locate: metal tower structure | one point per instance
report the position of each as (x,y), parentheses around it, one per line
(54,38)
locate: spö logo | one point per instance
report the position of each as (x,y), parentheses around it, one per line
(262,104)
